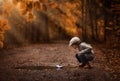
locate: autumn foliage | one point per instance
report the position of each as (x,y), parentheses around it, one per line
(58,19)
(3,27)
(5,9)
(27,7)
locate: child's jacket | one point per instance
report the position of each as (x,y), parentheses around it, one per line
(86,49)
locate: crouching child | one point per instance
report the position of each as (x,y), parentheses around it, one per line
(85,53)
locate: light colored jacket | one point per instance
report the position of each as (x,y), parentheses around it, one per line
(86,49)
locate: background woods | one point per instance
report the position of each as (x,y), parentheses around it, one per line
(34,21)
(30,23)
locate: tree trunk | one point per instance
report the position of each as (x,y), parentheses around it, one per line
(46,29)
(83,20)
(91,18)
(105,24)
(95,20)
(86,19)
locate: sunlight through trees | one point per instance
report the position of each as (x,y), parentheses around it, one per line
(37,20)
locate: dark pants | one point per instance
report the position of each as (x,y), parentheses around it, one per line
(82,59)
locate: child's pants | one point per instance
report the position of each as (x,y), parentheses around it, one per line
(82,59)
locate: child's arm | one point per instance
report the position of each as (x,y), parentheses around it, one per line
(87,48)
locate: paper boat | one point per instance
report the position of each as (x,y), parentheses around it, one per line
(59,66)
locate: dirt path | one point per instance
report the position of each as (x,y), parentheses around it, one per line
(37,63)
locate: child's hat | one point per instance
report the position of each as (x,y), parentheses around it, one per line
(74,40)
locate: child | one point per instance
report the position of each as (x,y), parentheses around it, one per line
(85,53)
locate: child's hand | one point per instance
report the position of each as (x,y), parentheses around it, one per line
(79,53)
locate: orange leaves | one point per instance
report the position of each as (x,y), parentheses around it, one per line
(37,5)
(43,1)
(1,8)
(3,27)
(28,6)
(30,17)
(44,8)
(52,5)
(1,44)
(23,11)
(6,27)
(23,5)
(1,36)
(1,11)
(14,2)
(5,9)
(4,22)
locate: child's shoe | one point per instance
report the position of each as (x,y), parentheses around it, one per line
(81,65)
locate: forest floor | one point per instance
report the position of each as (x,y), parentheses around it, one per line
(37,63)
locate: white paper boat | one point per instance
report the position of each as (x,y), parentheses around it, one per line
(59,66)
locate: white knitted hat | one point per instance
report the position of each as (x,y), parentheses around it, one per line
(74,40)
